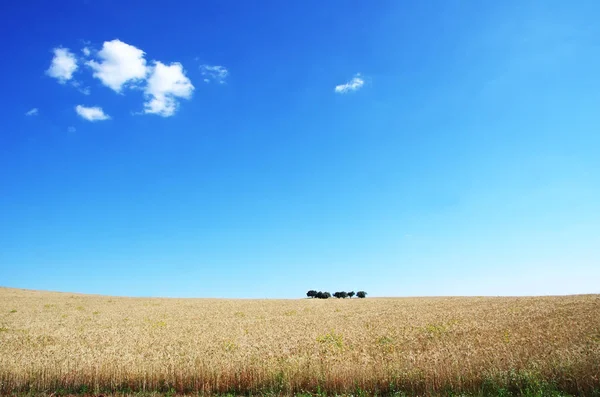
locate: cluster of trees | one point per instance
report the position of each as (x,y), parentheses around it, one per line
(340,295)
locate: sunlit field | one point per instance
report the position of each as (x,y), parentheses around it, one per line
(67,343)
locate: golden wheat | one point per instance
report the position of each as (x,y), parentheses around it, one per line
(57,341)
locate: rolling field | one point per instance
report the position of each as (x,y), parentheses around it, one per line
(69,343)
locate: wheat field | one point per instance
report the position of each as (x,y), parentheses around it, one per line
(71,343)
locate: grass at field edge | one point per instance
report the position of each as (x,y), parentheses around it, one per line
(535,389)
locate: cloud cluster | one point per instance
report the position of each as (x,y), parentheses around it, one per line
(353,85)
(121,66)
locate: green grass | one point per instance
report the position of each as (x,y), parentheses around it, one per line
(83,391)
(520,385)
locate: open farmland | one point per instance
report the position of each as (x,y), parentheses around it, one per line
(61,342)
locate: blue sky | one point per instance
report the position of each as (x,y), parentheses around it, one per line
(261,149)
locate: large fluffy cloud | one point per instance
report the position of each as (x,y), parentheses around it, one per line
(165,84)
(120,63)
(94,113)
(63,65)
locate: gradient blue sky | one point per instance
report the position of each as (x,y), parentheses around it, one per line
(465,159)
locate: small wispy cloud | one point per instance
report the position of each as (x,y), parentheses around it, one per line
(214,73)
(80,88)
(71,129)
(32,112)
(93,113)
(353,85)
(164,86)
(86,51)
(63,65)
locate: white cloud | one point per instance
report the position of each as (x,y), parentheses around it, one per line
(63,65)
(71,129)
(214,73)
(32,112)
(356,83)
(94,113)
(164,86)
(80,88)
(120,63)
